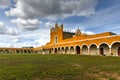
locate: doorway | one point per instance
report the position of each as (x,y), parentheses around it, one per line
(101,51)
(119,51)
(77,49)
(55,50)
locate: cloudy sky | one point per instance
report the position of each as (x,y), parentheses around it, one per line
(27,22)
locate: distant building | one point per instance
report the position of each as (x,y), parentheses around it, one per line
(61,42)
(16,50)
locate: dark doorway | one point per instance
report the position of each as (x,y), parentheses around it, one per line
(119,51)
(55,50)
(25,51)
(66,50)
(77,49)
(101,51)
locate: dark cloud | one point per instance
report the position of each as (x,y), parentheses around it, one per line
(52,9)
(27,24)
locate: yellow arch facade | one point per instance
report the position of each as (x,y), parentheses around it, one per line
(107,43)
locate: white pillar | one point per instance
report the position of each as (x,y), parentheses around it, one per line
(98,51)
(68,51)
(81,51)
(110,51)
(88,51)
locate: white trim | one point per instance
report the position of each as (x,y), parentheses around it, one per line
(115,49)
(73,47)
(76,46)
(114,43)
(84,45)
(66,47)
(93,44)
(58,47)
(63,48)
(104,43)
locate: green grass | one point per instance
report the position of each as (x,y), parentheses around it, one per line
(58,67)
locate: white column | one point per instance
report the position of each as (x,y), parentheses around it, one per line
(88,51)
(98,51)
(68,51)
(110,51)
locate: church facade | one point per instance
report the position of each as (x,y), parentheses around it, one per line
(61,42)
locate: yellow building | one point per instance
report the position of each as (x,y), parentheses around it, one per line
(62,42)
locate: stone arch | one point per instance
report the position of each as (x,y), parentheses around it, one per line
(93,49)
(17,51)
(84,45)
(6,51)
(93,44)
(55,51)
(72,50)
(77,49)
(85,50)
(62,50)
(24,51)
(115,48)
(104,49)
(29,51)
(104,43)
(43,51)
(21,51)
(59,50)
(50,50)
(66,50)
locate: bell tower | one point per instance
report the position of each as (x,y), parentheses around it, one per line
(78,32)
(56,34)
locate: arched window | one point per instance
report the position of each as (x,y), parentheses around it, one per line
(56,40)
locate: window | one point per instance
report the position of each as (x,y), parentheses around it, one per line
(56,40)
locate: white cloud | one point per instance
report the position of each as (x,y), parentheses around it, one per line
(73,30)
(7,31)
(88,32)
(48,24)
(2,24)
(52,9)
(84,32)
(27,39)
(4,3)
(16,11)
(36,43)
(41,41)
(26,12)
(2,28)
(15,40)
(27,24)
(11,31)
(5,45)
(41,37)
